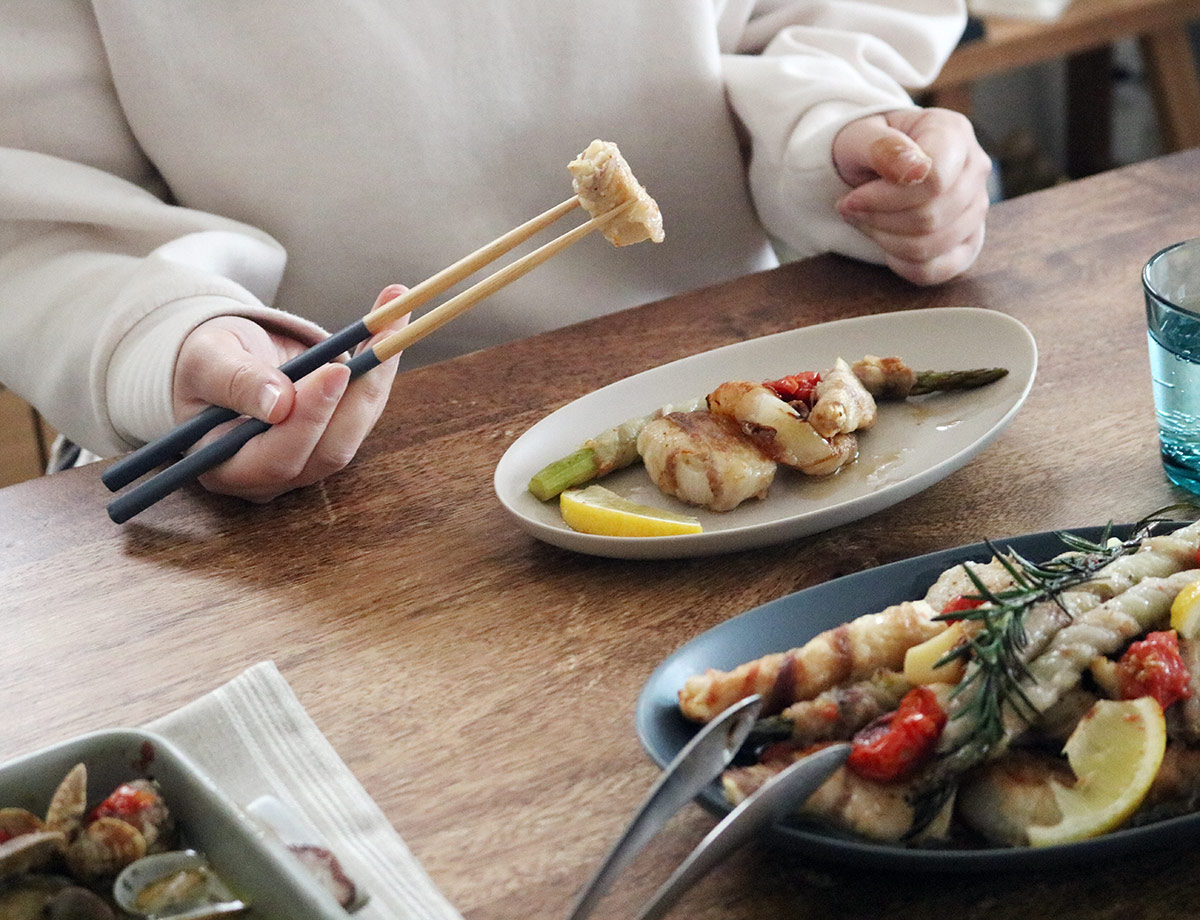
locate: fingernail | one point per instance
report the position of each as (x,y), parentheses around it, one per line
(268,399)
(334,384)
(915,166)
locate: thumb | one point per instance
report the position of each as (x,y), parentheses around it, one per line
(871,148)
(223,363)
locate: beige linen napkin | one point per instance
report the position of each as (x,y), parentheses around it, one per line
(253,738)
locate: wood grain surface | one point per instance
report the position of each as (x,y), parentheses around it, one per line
(481,684)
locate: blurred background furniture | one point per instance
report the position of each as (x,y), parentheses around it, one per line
(1084,36)
(25,440)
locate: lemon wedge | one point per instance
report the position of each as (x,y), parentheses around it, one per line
(1115,751)
(1185,612)
(598,510)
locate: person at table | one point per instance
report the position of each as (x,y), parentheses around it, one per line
(192,192)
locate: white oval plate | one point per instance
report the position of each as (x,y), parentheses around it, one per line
(913,445)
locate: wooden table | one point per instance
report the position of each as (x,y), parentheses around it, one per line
(1083,35)
(481,684)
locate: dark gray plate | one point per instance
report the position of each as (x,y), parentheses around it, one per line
(792,620)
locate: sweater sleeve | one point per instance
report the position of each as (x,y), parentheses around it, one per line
(797,72)
(101,277)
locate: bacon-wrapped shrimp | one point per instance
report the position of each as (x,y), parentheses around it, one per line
(850,652)
(837,713)
(703,459)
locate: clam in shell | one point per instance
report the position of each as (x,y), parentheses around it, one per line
(103,848)
(50,897)
(29,852)
(176,885)
(69,802)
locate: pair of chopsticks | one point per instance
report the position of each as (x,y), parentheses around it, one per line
(144,459)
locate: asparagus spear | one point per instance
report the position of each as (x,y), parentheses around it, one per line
(942,381)
(572,470)
(584,465)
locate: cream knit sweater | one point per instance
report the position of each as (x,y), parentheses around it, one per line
(165,162)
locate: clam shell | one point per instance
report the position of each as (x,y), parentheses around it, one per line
(176,885)
(104,847)
(26,897)
(17,821)
(69,802)
(75,903)
(29,851)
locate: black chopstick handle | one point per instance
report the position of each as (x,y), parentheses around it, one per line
(159,486)
(141,461)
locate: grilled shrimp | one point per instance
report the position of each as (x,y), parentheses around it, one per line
(703,459)
(778,430)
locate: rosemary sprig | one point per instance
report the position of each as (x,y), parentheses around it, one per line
(996,650)
(995,655)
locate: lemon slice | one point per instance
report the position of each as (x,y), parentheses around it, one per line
(601,511)
(1115,751)
(1185,611)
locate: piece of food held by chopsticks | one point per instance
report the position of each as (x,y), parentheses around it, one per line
(603,184)
(720,450)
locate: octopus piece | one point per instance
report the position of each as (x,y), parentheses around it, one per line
(885,378)
(1101,630)
(850,652)
(702,459)
(843,404)
(778,430)
(603,181)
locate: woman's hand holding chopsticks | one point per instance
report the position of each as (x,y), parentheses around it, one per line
(322,432)
(317,423)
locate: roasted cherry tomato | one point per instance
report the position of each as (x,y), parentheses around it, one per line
(958,605)
(796,387)
(894,745)
(1154,667)
(125,802)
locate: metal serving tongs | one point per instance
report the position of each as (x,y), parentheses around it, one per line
(699,763)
